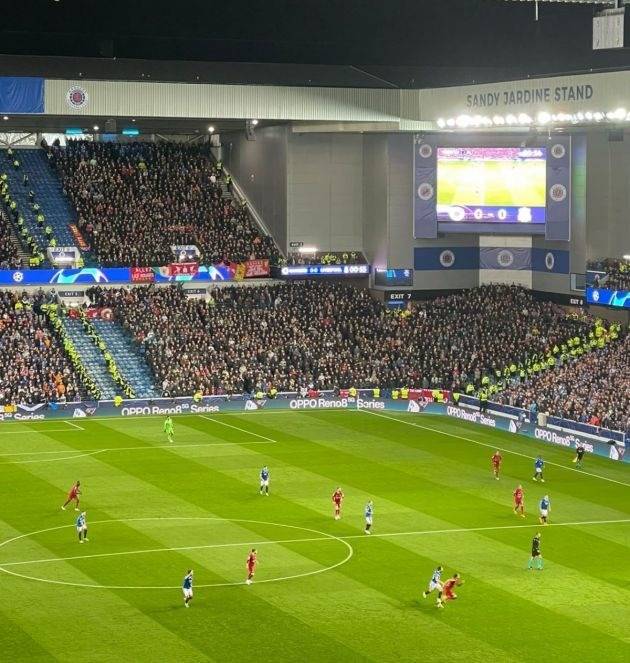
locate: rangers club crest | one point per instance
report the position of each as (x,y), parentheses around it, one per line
(425,150)
(447,258)
(550,261)
(76,97)
(558,193)
(425,191)
(505,258)
(558,151)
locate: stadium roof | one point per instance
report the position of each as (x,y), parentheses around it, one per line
(362,43)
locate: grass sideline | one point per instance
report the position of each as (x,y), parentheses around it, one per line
(324,590)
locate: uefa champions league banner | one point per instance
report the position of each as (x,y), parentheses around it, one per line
(158,407)
(113,275)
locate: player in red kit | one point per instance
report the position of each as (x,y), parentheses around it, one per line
(73,496)
(447,593)
(337,499)
(252,560)
(519,501)
(496,464)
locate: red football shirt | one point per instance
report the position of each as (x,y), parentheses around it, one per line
(496,459)
(518,495)
(251,560)
(337,496)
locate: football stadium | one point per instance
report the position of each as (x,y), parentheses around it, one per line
(315,331)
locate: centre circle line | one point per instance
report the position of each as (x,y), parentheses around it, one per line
(322,536)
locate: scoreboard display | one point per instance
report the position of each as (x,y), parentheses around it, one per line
(393,277)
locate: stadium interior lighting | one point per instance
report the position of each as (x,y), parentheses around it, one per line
(95,127)
(5,117)
(626,256)
(254,122)
(441,122)
(307,249)
(211,129)
(543,117)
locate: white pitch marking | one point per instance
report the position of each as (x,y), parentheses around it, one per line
(243,430)
(71,423)
(323,537)
(23,432)
(492,446)
(147,447)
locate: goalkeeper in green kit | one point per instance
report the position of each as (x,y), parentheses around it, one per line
(168,428)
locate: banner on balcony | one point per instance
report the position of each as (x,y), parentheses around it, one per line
(256,269)
(183,268)
(142,275)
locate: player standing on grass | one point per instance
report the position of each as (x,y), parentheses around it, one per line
(519,501)
(187,587)
(447,593)
(434,583)
(252,560)
(539,465)
(337,498)
(545,508)
(496,464)
(369,513)
(82,527)
(536,558)
(264,481)
(73,496)
(168,428)
(579,454)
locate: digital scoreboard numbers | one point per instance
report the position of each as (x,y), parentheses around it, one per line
(393,277)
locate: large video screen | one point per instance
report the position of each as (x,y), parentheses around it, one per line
(496,185)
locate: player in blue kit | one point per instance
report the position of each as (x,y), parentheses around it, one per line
(187,587)
(82,527)
(545,507)
(539,464)
(434,583)
(369,512)
(264,481)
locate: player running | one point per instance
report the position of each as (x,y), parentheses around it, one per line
(447,593)
(536,558)
(434,583)
(73,496)
(264,481)
(369,513)
(579,455)
(187,587)
(168,428)
(539,465)
(82,529)
(496,464)
(252,560)
(545,508)
(519,501)
(337,498)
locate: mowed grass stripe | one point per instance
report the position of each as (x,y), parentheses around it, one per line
(255,607)
(526,546)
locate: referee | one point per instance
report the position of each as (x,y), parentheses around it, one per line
(536,561)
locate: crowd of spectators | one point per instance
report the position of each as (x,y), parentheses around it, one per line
(133,201)
(9,258)
(326,258)
(327,336)
(617,275)
(34,367)
(594,389)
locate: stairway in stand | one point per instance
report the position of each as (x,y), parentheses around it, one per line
(92,358)
(129,358)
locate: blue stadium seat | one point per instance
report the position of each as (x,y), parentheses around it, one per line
(128,358)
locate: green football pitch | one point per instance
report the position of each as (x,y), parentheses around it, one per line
(323,590)
(493,183)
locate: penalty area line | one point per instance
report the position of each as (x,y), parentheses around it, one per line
(493,446)
(238,428)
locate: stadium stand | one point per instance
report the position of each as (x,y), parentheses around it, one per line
(617,273)
(593,389)
(35,367)
(133,201)
(327,335)
(9,249)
